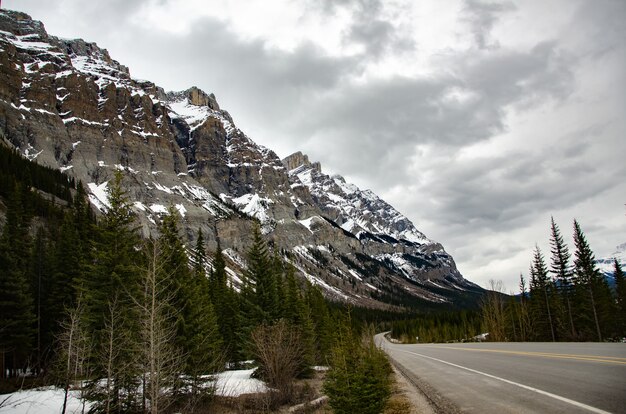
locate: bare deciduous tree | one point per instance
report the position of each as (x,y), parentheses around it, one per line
(278,348)
(161,362)
(74,349)
(493,311)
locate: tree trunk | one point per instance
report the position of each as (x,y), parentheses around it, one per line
(595,314)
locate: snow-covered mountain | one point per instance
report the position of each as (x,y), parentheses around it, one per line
(69,105)
(607,264)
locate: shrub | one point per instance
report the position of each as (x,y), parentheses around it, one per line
(359,379)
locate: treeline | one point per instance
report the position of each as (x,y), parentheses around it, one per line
(14,169)
(142,324)
(565,300)
(438,327)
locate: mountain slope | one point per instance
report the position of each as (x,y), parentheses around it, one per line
(607,264)
(68,105)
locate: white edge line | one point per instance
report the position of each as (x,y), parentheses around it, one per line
(526,387)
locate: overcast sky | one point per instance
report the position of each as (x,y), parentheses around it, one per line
(477,120)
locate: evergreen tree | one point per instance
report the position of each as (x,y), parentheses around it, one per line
(226,305)
(541,288)
(562,272)
(297,312)
(591,285)
(260,286)
(620,298)
(39,276)
(108,287)
(17,313)
(197,333)
(358,380)
(322,323)
(523,319)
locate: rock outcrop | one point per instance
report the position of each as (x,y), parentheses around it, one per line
(69,105)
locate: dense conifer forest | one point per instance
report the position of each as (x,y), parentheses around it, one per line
(563,300)
(142,323)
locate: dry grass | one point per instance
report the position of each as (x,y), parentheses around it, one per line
(398,403)
(303,391)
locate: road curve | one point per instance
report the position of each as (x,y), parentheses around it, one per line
(501,378)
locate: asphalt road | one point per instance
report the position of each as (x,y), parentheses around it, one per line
(500,378)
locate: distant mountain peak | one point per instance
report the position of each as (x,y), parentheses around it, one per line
(298,160)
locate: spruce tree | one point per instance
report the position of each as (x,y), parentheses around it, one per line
(108,286)
(358,380)
(590,283)
(620,297)
(226,305)
(197,333)
(541,294)
(561,269)
(17,312)
(262,280)
(322,323)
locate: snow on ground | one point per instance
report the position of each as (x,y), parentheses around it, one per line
(236,383)
(48,400)
(41,401)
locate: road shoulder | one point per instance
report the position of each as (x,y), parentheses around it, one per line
(422,396)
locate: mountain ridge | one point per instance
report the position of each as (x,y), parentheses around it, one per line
(69,105)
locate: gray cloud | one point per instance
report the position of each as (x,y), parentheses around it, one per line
(371,26)
(481,17)
(405,137)
(385,120)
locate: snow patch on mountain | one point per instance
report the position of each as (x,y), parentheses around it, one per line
(607,264)
(99,195)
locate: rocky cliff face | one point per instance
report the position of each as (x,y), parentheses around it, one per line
(68,104)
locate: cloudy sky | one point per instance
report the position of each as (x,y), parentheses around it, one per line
(478,120)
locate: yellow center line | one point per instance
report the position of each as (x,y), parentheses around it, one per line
(594,358)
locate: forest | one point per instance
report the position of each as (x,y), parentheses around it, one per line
(141,324)
(563,300)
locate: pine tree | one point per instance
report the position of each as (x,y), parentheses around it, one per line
(620,298)
(39,275)
(17,313)
(297,312)
(524,323)
(562,272)
(322,323)
(541,289)
(591,283)
(197,333)
(358,380)
(261,279)
(226,305)
(108,286)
